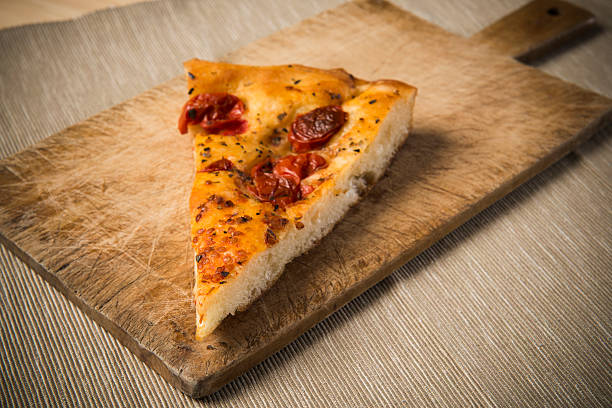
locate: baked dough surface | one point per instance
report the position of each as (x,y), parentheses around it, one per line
(233,233)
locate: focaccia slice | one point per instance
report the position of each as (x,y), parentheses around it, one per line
(281,153)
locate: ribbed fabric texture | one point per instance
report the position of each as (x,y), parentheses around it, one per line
(512,309)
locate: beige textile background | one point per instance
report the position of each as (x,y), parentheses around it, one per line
(512,309)
(18,12)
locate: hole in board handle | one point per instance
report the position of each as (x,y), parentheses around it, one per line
(553,11)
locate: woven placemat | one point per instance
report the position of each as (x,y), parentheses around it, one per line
(512,309)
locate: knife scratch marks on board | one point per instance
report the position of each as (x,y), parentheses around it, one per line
(361,227)
(166,310)
(341,261)
(20,185)
(269,319)
(51,162)
(289,298)
(153,244)
(118,292)
(443,191)
(16,174)
(95,264)
(389,206)
(379,236)
(297,260)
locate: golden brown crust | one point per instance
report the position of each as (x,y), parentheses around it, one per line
(229,225)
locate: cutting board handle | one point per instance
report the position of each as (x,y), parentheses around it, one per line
(536,28)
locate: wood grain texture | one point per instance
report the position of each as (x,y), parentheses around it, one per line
(100,208)
(535,28)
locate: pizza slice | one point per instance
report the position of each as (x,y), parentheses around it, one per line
(281,153)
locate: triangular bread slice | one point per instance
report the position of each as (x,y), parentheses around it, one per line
(242,243)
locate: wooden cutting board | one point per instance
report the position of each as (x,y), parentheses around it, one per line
(100,209)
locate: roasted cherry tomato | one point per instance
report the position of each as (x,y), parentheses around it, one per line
(218,113)
(222,164)
(279,181)
(313,129)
